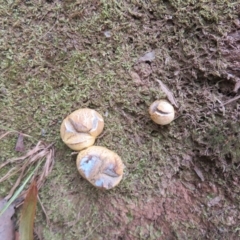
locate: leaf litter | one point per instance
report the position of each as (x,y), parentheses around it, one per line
(168,93)
(42,154)
(20,145)
(7,228)
(22,165)
(148,57)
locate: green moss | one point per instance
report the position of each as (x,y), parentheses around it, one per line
(221,140)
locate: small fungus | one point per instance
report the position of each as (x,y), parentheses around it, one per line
(80,129)
(161,112)
(102,167)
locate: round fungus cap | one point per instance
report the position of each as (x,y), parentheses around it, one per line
(80,129)
(102,167)
(161,112)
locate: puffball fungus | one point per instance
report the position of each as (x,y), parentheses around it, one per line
(161,112)
(80,129)
(100,166)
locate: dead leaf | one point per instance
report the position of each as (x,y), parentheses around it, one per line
(28,213)
(108,34)
(21,165)
(188,185)
(169,93)
(214,201)
(135,77)
(237,86)
(20,145)
(199,173)
(6,223)
(150,56)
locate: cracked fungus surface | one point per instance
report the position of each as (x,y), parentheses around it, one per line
(80,128)
(100,166)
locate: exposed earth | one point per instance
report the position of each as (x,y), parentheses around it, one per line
(181,181)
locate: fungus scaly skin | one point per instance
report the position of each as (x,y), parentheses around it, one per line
(161,112)
(100,166)
(80,129)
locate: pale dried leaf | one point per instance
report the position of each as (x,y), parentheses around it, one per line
(214,201)
(168,92)
(199,173)
(237,86)
(47,168)
(108,34)
(188,185)
(6,224)
(150,56)
(20,145)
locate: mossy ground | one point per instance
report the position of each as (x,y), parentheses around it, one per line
(181,180)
